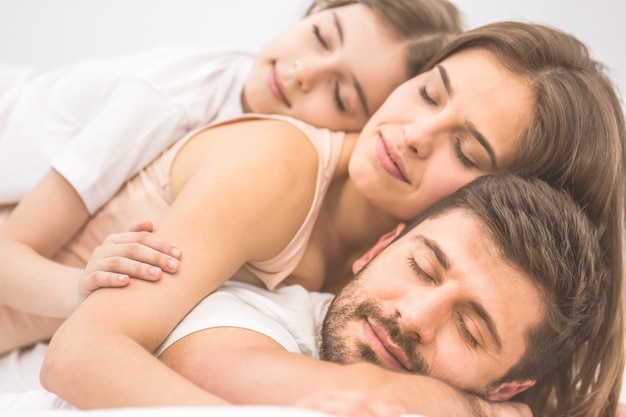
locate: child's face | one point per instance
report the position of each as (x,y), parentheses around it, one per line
(333,69)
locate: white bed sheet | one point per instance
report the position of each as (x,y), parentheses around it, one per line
(22,395)
(44,404)
(21,392)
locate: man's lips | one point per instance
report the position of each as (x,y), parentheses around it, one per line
(387,351)
(390,159)
(274,86)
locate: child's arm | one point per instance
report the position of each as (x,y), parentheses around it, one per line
(137,253)
(35,230)
(38,227)
(246,200)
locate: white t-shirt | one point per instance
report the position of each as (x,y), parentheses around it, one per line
(99,122)
(290,315)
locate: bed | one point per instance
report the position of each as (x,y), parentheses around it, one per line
(21,394)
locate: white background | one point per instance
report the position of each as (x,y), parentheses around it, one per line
(52,32)
(47,33)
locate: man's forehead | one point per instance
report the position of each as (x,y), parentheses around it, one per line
(439,224)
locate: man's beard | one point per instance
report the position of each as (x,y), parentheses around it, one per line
(348,308)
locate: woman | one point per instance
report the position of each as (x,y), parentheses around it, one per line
(495,101)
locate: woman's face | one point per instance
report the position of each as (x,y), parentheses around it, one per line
(439,131)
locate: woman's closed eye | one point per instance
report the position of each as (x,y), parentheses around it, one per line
(468,163)
(458,150)
(428,99)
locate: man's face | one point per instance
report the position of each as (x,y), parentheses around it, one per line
(439,301)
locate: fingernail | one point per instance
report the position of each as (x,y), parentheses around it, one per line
(153,271)
(171,263)
(122,278)
(175,252)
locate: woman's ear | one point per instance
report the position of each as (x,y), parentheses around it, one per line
(508,390)
(382,243)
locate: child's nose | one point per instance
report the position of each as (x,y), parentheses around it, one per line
(308,72)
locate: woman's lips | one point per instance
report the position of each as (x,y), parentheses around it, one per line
(275,88)
(387,351)
(390,160)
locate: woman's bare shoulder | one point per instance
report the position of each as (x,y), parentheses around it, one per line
(275,144)
(264,129)
(264,174)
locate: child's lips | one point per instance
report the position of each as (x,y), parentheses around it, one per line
(275,87)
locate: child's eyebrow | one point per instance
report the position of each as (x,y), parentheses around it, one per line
(357,86)
(338,26)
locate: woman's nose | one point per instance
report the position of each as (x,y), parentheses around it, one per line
(422,136)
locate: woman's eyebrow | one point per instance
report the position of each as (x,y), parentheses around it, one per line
(482,140)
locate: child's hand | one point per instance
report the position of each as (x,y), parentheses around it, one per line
(346,403)
(137,254)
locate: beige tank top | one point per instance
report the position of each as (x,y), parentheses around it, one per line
(148,196)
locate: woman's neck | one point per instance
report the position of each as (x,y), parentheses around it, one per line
(348,225)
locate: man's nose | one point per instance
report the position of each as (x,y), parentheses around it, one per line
(423,315)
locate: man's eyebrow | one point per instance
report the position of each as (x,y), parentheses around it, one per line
(478,308)
(468,125)
(357,86)
(482,313)
(439,253)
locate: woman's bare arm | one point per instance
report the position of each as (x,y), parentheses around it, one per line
(251,190)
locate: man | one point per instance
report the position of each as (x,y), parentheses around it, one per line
(492,291)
